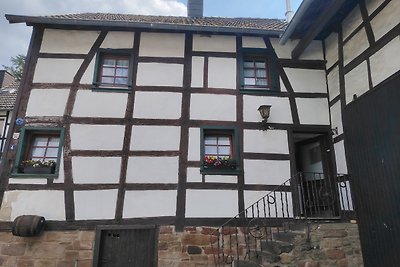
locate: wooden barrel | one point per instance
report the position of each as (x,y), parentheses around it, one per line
(28,225)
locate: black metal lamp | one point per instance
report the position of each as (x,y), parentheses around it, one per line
(265,112)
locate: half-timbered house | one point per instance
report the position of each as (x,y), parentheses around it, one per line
(155,121)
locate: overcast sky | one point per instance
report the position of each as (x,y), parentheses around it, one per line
(15,37)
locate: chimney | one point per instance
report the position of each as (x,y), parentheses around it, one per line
(289,12)
(195,8)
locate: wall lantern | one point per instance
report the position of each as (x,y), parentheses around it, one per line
(264,112)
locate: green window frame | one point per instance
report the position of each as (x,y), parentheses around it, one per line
(114,55)
(24,150)
(258,71)
(227,167)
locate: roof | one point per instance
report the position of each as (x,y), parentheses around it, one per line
(8,96)
(203,24)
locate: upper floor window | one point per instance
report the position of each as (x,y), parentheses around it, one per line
(113,70)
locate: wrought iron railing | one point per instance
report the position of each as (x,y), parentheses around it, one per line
(305,196)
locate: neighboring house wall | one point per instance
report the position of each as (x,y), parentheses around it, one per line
(362,55)
(138,154)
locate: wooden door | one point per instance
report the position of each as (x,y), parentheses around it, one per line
(134,246)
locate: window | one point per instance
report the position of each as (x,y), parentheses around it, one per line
(113,70)
(258,71)
(219,150)
(39,152)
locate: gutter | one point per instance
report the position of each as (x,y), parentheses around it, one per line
(30,20)
(298,16)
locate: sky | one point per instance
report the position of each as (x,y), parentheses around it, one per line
(15,37)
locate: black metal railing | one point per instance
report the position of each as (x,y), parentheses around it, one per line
(305,196)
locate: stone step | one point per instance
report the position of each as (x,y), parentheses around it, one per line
(276,247)
(241,263)
(263,257)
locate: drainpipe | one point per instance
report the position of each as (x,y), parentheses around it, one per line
(289,12)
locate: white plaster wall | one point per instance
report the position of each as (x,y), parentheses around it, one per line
(49,204)
(152,170)
(280,110)
(222,73)
(313,51)
(162,44)
(229,179)
(251,197)
(96,170)
(271,141)
(336,117)
(331,48)
(68,41)
(211,203)
(95,204)
(99,104)
(340,156)
(386,61)
(372,5)
(272,172)
(313,110)
(352,21)
(194,144)
(282,85)
(155,138)
(333,83)
(194,175)
(255,42)
(151,203)
(387,19)
(97,137)
(355,46)
(197,71)
(307,81)
(157,105)
(61,175)
(160,74)
(47,102)
(356,81)
(51,70)
(87,77)
(213,107)
(118,40)
(214,43)
(27,181)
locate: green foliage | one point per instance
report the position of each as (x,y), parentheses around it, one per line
(17,66)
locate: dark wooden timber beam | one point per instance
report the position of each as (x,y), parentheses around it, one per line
(317,27)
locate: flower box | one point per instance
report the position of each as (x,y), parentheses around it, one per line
(216,163)
(38,170)
(37,167)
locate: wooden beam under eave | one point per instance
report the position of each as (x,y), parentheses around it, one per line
(317,27)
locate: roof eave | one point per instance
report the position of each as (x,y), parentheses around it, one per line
(30,20)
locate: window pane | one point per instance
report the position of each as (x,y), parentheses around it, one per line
(122,72)
(260,64)
(248,64)
(52,152)
(109,62)
(249,73)
(261,73)
(123,62)
(108,71)
(210,140)
(210,150)
(109,80)
(261,82)
(224,150)
(249,81)
(54,141)
(38,151)
(224,141)
(40,141)
(123,81)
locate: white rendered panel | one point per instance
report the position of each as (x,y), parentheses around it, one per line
(313,110)
(211,203)
(149,203)
(51,70)
(194,144)
(96,170)
(213,107)
(283,202)
(387,19)
(95,204)
(336,117)
(28,180)
(331,48)
(152,170)
(197,71)
(155,138)
(333,83)
(47,102)
(87,77)
(99,104)
(253,42)
(157,105)
(229,179)
(97,137)
(159,74)
(67,41)
(385,62)
(214,43)
(356,81)
(194,175)
(372,5)
(222,73)
(283,51)
(162,44)
(307,81)
(313,51)
(340,156)
(280,110)
(352,21)
(118,40)
(271,141)
(355,46)
(49,204)
(271,172)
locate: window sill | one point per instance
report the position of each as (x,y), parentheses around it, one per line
(262,92)
(112,89)
(34,175)
(214,171)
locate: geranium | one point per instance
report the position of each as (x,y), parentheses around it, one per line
(219,162)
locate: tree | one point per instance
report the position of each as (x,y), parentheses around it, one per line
(17,66)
